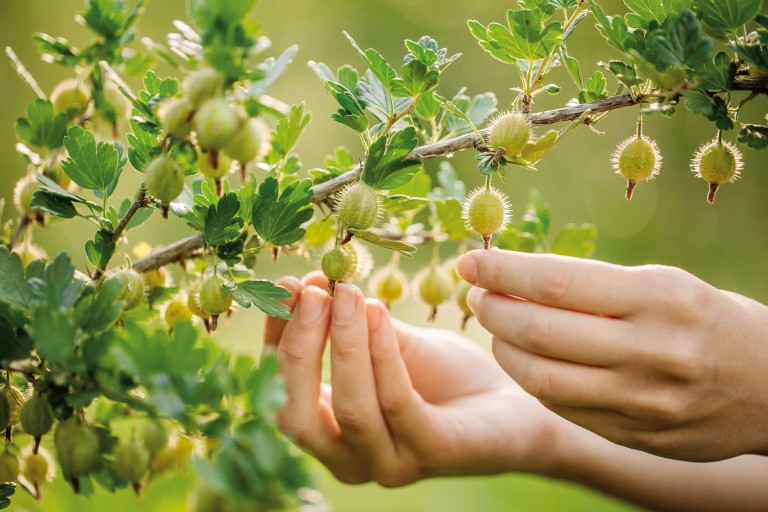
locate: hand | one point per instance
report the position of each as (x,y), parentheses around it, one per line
(650,357)
(404,403)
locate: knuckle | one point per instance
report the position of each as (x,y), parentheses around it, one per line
(390,476)
(288,425)
(685,362)
(392,406)
(556,285)
(666,410)
(350,477)
(345,352)
(537,331)
(292,354)
(350,419)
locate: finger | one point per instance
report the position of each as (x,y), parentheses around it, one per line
(355,403)
(300,355)
(404,410)
(569,283)
(273,327)
(553,332)
(316,278)
(560,382)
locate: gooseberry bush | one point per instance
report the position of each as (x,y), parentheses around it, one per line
(111,376)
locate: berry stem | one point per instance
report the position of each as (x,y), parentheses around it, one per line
(713,187)
(640,126)
(630,189)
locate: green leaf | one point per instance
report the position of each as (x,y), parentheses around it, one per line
(406,250)
(449,214)
(15,344)
(754,136)
(99,312)
(402,203)
(713,108)
(277,218)
(624,73)
(525,37)
(7,489)
(534,151)
(387,165)
(52,198)
(42,128)
(573,66)
(100,250)
(727,15)
(577,241)
(595,89)
(54,333)
(721,73)
(142,147)
(222,225)
(286,133)
(271,70)
(14,289)
(92,166)
(265,295)
(57,286)
(614,29)
(645,12)
(416,79)
(320,231)
(108,18)
(682,43)
(376,63)
(476,111)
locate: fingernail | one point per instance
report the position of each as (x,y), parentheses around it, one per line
(466,267)
(290,283)
(344,303)
(473,298)
(312,305)
(374,314)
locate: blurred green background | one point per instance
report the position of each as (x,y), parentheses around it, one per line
(668,221)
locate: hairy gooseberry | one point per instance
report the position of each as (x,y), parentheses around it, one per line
(388,285)
(9,467)
(509,133)
(156,278)
(177,312)
(70,96)
(29,252)
(245,146)
(204,84)
(155,436)
(165,180)
(215,298)
(214,164)
(36,469)
(193,302)
(486,211)
(216,123)
(77,449)
(131,463)
(435,286)
(717,162)
(637,159)
(358,207)
(37,417)
(461,301)
(14,399)
(22,195)
(132,292)
(177,118)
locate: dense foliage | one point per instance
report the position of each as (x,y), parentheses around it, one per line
(108,377)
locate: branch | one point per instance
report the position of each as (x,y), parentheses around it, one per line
(138,203)
(189,246)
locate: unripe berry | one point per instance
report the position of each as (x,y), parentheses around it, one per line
(461,301)
(193,302)
(131,462)
(717,162)
(335,264)
(358,207)
(5,414)
(70,96)
(13,398)
(213,164)
(117,100)
(155,436)
(177,118)
(435,287)
(9,467)
(216,123)
(388,285)
(177,312)
(205,84)
(132,292)
(37,416)
(182,452)
(245,146)
(77,448)
(156,278)
(486,211)
(637,159)
(360,262)
(510,132)
(165,179)
(163,460)
(35,469)
(22,195)
(215,298)
(29,252)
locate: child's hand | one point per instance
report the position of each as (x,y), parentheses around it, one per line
(649,357)
(404,403)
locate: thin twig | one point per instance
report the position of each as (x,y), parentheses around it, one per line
(138,203)
(187,247)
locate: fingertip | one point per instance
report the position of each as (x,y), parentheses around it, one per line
(315,278)
(474,297)
(374,312)
(466,267)
(312,306)
(293,285)
(346,303)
